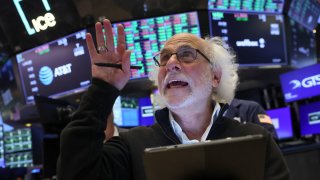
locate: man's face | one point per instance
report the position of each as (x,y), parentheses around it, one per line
(183,84)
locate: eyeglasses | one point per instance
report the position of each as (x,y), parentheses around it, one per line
(184,55)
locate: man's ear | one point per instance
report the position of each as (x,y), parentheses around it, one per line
(216,78)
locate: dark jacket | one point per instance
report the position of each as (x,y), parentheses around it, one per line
(247,111)
(84,156)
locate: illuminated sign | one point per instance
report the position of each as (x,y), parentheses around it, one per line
(301,83)
(40,23)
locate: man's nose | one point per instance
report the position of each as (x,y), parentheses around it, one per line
(173,63)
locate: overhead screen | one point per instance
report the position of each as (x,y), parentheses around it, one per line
(146,37)
(281,120)
(10,99)
(310,119)
(55,69)
(306,12)
(302,83)
(260,6)
(303,46)
(257,39)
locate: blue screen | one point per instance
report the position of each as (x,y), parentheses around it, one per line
(310,119)
(281,120)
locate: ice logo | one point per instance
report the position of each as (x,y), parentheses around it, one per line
(307,82)
(46,75)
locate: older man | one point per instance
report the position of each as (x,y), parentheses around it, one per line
(194,75)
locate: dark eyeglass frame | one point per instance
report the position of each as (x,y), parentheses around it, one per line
(197,51)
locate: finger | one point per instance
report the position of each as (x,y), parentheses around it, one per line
(109,34)
(126,62)
(99,35)
(91,46)
(121,40)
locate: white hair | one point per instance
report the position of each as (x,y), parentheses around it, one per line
(222,59)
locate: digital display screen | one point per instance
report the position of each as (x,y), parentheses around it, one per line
(303,50)
(20,159)
(2,164)
(146,37)
(260,6)
(18,140)
(18,148)
(129,112)
(310,119)
(257,39)
(55,69)
(282,122)
(306,12)
(302,83)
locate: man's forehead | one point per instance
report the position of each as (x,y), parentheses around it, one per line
(184,39)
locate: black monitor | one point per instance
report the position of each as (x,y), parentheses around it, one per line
(257,39)
(303,45)
(10,99)
(305,12)
(145,37)
(258,6)
(55,69)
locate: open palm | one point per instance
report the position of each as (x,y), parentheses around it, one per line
(118,77)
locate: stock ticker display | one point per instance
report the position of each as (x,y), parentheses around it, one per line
(257,39)
(306,12)
(18,148)
(146,37)
(55,69)
(260,6)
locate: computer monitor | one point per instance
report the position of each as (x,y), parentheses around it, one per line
(303,46)
(282,122)
(310,119)
(145,37)
(257,39)
(55,69)
(301,83)
(10,99)
(257,6)
(23,147)
(305,12)
(2,164)
(130,111)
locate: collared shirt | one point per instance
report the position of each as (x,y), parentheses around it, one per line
(183,137)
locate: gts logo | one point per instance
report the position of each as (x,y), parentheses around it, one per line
(307,82)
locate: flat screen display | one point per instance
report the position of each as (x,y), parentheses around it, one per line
(259,6)
(146,37)
(282,122)
(257,39)
(310,119)
(2,164)
(130,112)
(305,12)
(18,148)
(10,99)
(55,69)
(302,83)
(303,46)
